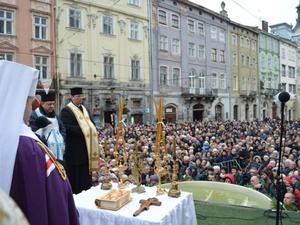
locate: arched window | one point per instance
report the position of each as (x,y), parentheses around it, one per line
(192,78)
(202,82)
(235,112)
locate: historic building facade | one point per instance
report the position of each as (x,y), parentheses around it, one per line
(102,46)
(190,67)
(27,36)
(268,72)
(244,92)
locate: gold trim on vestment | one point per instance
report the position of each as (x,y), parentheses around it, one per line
(90,135)
(57,164)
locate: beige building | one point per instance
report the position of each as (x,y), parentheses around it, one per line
(27,36)
(288,65)
(244,92)
(102,46)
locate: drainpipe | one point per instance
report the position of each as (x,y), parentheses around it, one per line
(150,45)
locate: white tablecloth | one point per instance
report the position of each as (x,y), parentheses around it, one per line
(173,211)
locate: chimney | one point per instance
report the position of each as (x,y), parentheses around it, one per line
(265,26)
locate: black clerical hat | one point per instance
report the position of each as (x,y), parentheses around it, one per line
(76,91)
(48,97)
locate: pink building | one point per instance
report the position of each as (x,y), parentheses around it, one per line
(27,35)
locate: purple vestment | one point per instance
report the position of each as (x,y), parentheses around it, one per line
(43,195)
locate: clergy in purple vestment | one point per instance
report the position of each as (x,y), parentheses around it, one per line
(29,172)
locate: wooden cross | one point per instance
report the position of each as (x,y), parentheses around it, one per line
(145,204)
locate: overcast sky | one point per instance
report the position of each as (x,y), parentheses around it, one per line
(251,12)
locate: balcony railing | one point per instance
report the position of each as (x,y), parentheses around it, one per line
(200,92)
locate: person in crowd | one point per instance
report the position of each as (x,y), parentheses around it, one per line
(228,178)
(28,169)
(238,179)
(54,133)
(257,185)
(290,188)
(82,147)
(289,200)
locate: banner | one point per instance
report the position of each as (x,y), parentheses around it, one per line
(46,83)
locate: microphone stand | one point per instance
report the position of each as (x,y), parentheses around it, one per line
(283,98)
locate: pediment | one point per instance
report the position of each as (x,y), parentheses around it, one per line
(5,45)
(42,49)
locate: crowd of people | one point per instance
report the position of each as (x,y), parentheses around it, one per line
(66,154)
(238,152)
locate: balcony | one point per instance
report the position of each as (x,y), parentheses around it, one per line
(248,95)
(199,93)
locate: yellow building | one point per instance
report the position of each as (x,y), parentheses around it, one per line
(102,46)
(244,91)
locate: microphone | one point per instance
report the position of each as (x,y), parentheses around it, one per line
(284,96)
(42,121)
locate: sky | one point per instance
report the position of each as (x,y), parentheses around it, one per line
(252,12)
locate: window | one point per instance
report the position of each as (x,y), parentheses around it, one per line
(269,44)
(75,18)
(134,30)
(201,52)
(175,46)
(42,65)
(254,84)
(222,81)
(248,61)
(175,21)
(242,42)
(214,55)
(192,78)
(6,56)
(234,61)
(234,82)
(247,43)
(233,39)
(283,53)
(108,67)
(269,62)
(191,26)
(107,25)
(213,33)
(134,2)
(263,61)
(291,71)
(242,60)
(40,27)
(6,22)
(222,56)
(191,49)
(163,43)
(283,70)
(162,17)
(76,64)
(243,84)
(253,63)
(135,69)
(292,88)
(221,36)
(202,83)
(214,81)
(200,29)
(253,45)
(163,75)
(275,46)
(176,76)
(262,41)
